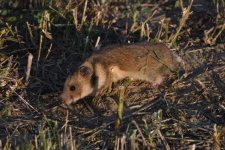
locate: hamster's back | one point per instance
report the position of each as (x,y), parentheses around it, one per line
(133,57)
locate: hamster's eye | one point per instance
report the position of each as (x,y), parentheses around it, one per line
(72,88)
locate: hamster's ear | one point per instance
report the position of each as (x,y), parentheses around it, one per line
(85,71)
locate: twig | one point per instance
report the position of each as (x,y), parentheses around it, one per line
(25,102)
(97,42)
(164,140)
(142,136)
(84,12)
(29,63)
(185,15)
(216,138)
(200,50)
(120,107)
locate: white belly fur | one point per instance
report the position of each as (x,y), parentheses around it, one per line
(101,73)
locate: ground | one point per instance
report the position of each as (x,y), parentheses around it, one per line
(186,112)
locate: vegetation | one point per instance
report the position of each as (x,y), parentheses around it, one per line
(41,42)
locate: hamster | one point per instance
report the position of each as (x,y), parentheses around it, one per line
(149,62)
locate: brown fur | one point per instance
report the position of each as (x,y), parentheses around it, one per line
(143,61)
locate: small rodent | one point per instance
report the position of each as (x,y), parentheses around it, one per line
(143,61)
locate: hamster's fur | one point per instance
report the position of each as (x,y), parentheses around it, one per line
(149,62)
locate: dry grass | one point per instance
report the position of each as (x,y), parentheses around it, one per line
(41,42)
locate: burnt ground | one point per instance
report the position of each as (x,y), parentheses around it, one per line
(181,114)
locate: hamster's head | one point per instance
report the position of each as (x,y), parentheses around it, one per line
(79,85)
